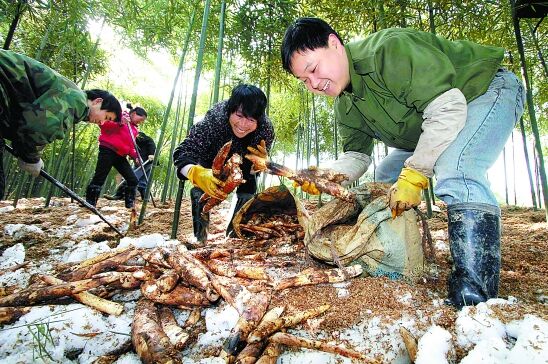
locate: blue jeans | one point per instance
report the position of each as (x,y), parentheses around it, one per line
(461,170)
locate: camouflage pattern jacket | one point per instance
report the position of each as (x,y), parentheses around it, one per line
(37,104)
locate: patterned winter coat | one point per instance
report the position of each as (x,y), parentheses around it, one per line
(37,104)
(209,135)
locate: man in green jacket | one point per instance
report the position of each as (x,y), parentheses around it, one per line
(38,105)
(447,107)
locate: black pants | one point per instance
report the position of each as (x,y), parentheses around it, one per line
(105,161)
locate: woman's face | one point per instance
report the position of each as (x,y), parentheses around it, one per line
(136,119)
(241,125)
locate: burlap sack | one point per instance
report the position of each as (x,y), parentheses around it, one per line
(365,233)
(361,232)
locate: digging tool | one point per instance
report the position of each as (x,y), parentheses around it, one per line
(70,193)
(124,181)
(140,161)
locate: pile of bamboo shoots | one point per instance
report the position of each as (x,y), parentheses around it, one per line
(186,280)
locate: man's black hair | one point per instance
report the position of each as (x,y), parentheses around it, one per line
(250,99)
(305,34)
(139,111)
(110,102)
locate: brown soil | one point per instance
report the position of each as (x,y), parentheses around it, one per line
(523,273)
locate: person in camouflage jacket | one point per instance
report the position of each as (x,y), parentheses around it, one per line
(38,105)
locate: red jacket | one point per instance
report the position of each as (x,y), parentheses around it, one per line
(116,136)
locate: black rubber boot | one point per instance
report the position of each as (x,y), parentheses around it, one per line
(242,199)
(92,194)
(141,192)
(474,237)
(200,222)
(129,196)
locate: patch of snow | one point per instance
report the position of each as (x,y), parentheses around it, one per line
(12,256)
(434,346)
(145,241)
(532,340)
(21,230)
(221,318)
(477,323)
(441,245)
(84,250)
(64,329)
(18,278)
(6,209)
(211,360)
(307,356)
(342,289)
(90,220)
(406,298)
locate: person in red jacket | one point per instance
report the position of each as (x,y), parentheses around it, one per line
(115,143)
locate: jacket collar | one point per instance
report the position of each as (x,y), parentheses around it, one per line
(360,64)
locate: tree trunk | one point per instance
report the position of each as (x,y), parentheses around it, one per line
(18,12)
(219,53)
(539,50)
(177,122)
(531,108)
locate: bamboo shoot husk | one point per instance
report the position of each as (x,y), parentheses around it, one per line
(270,354)
(28,297)
(179,296)
(292,340)
(269,327)
(98,303)
(150,341)
(335,275)
(174,332)
(12,314)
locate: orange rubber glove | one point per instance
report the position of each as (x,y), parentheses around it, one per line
(203,178)
(406,192)
(261,152)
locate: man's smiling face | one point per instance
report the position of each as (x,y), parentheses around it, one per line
(324,71)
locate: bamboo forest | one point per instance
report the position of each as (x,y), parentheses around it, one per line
(236,181)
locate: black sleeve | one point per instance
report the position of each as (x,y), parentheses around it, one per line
(203,142)
(146,145)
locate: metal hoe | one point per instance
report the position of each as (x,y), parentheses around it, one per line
(141,164)
(70,193)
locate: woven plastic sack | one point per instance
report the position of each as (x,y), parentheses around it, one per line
(364,232)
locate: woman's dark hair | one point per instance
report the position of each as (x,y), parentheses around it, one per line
(250,99)
(110,102)
(139,111)
(305,34)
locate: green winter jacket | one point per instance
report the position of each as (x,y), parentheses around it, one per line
(37,104)
(395,74)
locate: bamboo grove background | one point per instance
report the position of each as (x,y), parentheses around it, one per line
(239,41)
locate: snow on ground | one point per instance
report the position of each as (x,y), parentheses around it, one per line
(75,333)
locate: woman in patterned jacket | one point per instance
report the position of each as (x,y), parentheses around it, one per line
(240,119)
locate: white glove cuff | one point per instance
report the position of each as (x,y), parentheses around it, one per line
(353,164)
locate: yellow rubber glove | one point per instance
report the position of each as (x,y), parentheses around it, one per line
(308,187)
(203,178)
(406,192)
